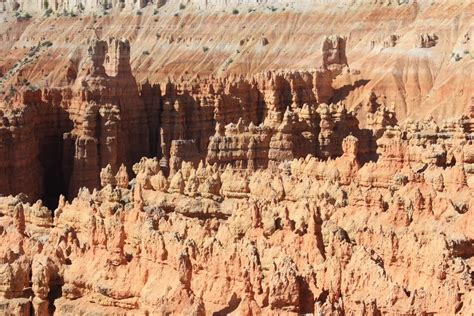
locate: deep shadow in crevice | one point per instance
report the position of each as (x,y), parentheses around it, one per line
(55,293)
(306,297)
(231,306)
(342,93)
(323,296)
(51,152)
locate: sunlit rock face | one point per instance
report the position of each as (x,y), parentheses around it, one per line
(304,236)
(236,157)
(73,132)
(104,117)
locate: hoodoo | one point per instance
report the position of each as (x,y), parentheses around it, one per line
(236,157)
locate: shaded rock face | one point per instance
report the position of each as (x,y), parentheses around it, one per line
(334,52)
(426,40)
(110,118)
(31,145)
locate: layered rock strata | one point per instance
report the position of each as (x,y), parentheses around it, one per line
(257,122)
(397,58)
(104,117)
(275,192)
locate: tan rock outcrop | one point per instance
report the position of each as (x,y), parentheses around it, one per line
(334,54)
(99,120)
(105,119)
(302,238)
(426,40)
(239,187)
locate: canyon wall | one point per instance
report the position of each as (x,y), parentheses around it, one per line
(105,118)
(234,157)
(70,134)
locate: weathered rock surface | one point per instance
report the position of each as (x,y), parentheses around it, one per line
(105,118)
(239,187)
(71,133)
(308,236)
(206,38)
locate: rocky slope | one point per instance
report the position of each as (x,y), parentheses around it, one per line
(236,157)
(389,47)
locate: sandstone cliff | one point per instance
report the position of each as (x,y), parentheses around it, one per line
(71,133)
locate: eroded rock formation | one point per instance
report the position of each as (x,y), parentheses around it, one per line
(310,236)
(105,118)
(101,119)
(274,192)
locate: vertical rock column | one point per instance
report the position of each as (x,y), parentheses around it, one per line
(19,164)
(124,93)
(83,144)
